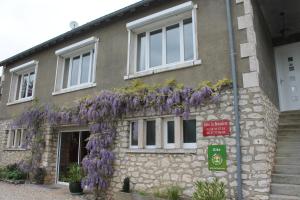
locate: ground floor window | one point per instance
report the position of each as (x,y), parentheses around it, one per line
(71,149)
(166,133)
(15,138)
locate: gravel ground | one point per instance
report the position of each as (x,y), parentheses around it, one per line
(35,192)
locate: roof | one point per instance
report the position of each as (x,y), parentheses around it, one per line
(79,30)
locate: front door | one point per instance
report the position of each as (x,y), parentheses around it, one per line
(288,76)
(71,149)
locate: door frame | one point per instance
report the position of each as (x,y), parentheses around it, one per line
(278,59)
(58,151)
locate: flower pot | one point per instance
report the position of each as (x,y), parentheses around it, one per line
(75,188)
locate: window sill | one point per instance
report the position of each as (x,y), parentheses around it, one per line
(162,151)
(20,101)
(15,149)
(164,69)
(73,89)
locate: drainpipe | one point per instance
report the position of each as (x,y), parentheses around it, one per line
(236,99)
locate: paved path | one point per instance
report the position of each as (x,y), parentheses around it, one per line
(35,192)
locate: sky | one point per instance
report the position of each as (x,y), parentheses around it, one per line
(26,23)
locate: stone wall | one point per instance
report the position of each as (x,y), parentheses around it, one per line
(150,170)
(9,156)
(158,168)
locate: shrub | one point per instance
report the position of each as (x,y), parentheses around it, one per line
(214,190)
(75,173)
(170,193)
(174,192)
(126,185)
(12,172)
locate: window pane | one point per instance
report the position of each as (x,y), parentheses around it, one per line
(134,133)
(66,72)
(141,52)
(156,48)
(18,86)
(30,84)
(189,131)
(170,126)
(173,44)
(85,68)
(150,133)
(18,139)
(188,39)
(75,71)
(24,86)
(12,138)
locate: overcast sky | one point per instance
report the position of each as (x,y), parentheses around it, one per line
(26,23)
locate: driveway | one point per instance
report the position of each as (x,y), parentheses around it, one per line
(35,192)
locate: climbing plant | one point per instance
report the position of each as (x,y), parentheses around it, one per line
(102,112)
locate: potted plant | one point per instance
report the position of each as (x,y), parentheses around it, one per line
(75,174)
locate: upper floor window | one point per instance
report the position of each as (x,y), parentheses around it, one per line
(163,41)
(23,82)
(76,66)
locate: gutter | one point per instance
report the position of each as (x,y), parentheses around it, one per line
(235,99)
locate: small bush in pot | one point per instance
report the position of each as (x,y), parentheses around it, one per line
(205,190)
(75,175)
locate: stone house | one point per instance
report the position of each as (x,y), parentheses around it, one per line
(155,40)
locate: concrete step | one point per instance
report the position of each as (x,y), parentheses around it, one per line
(288,144)
(287,160)
(286,179)
(283,197)
(285,189)
(288,132)
(290,153)
(288,137)
(287,169)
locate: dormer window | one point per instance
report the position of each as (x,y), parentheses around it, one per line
(76,66)
(23,82)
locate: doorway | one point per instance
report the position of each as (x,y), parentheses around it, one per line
(71,149)
(288,76)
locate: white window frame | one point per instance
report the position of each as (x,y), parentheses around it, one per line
(161,20)
(145,126)
(89,45)
(12,143)
(130,136)
(165,130)
(189,145)
(24,69)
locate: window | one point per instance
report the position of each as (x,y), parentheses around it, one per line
(134,134)
(76,66)
(23,82)
(15,139)
(166,133)
(163,41)
(189,133)
(150,134)
(169,133)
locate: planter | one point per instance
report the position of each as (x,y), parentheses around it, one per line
(75,188)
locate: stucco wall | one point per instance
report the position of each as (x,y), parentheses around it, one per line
(112,56)
(265,55)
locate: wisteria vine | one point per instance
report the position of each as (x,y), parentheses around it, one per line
(102,112)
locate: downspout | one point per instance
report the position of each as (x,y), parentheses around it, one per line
(235,99)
